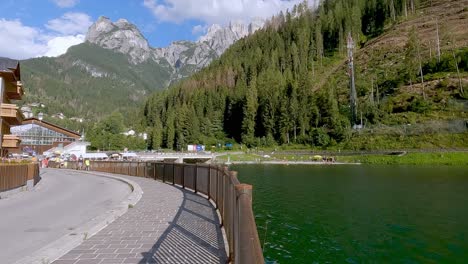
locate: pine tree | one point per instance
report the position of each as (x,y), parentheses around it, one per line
(157,134)
(250,112)
(170,130)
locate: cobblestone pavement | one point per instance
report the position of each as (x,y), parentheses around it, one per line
(168,225)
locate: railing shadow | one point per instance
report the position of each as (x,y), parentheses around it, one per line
(193,236)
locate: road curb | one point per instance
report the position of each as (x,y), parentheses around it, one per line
(74,238)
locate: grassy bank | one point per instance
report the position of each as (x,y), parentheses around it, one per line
(442,158)
(450,158)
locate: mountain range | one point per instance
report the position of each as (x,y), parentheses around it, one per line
(116,68)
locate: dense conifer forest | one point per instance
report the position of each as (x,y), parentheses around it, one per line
(287,83)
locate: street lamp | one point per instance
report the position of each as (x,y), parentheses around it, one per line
(82,129)
(40,116)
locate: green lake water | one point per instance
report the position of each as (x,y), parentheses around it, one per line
(360,214)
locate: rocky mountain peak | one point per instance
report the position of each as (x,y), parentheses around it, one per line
(220,38)
(181,58)
(256,24)
(101,26)
(239,29)
(121,36)
(121,23)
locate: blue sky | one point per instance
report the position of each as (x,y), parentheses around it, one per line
(49,27)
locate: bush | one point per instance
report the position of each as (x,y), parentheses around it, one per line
(419,105)
(320,137)
(447,63)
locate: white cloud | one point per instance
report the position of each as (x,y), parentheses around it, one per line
(66,3)
(18,41)
(198,29)
(59,45)
(70,23)
(217,11)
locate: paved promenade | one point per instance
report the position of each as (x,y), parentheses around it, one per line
(168,225)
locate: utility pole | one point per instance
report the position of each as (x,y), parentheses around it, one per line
(352,94)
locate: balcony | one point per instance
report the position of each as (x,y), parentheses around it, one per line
(14,90)
(11,141)
(11,114)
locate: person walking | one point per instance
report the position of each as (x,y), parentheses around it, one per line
(87,162)
(80,163)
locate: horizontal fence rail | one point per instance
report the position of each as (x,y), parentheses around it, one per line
(16,175)
(232,199)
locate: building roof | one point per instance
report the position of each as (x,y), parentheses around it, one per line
(51,126)
(9,66)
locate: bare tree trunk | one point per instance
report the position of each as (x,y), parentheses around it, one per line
(438,40)
(421,72)
(412,6)
(372,92)
(422,80)
(392,10)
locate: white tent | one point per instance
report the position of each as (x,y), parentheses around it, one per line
(99,155)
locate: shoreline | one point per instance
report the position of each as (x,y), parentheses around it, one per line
(279,162)
(438,158)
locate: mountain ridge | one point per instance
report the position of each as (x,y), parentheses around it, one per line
(117,64)
(124,37)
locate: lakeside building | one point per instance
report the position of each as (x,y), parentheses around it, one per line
(39,136)
(11,88)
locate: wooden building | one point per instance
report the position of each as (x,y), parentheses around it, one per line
(11,89)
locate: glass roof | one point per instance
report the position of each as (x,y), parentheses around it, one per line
(33,134)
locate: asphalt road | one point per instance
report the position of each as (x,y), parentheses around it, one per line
(59,203)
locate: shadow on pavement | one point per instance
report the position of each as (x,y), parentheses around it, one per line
(194,235)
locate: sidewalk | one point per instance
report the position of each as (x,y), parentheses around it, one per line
(168,225)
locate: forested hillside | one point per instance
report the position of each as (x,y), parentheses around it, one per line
(288,84)
(90,82)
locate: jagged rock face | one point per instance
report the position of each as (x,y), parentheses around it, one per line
(173,53)
(125,38)
(120,36)
(219,38)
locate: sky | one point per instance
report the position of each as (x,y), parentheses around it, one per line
(35,28)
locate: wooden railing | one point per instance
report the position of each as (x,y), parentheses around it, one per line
(232,199)
(16,175)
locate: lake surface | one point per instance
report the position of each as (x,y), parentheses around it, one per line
(360,214)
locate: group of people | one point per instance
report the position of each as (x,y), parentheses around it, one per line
(328,159)
(87,163)
(83,164)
